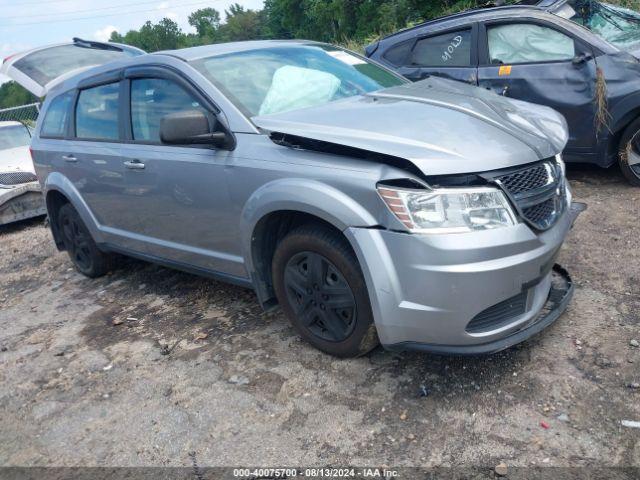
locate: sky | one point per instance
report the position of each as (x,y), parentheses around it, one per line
(26,24)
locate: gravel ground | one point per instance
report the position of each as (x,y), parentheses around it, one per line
(147,364)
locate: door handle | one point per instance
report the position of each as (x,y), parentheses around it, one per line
(69,158)
(134,165)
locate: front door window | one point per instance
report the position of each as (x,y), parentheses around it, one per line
(528,43)
(152,99)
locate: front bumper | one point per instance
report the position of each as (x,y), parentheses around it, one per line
(560,295)
(19,202)
(426,290)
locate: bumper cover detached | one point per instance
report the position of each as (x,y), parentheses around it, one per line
(19,202)
(559,297)
(473,293)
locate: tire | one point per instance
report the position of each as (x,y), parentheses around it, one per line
(79,244)
(630,147)
(320,287)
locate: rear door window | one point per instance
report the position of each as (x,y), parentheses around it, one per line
(97,113)
(528,43)
(55,120)
(452,49)
(152,99)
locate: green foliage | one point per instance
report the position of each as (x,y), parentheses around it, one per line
(206,21)
(240,24)
(356,20)
(164,35)
(351,22)
(13,95)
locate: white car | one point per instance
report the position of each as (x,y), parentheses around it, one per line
(20,193)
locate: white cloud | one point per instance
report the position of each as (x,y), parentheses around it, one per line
(54,24)
(7,49)
(103,34)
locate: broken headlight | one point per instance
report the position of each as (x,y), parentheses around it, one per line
(449,210)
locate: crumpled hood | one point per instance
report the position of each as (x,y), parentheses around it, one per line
(635,52)
(16,160)
(442,126)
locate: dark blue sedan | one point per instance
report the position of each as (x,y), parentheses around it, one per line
(527,52)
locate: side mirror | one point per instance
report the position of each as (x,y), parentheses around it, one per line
(192,127)
(581,58)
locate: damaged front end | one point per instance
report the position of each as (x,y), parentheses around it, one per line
(617,25)
(20,199)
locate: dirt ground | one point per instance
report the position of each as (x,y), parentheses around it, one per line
(147,364)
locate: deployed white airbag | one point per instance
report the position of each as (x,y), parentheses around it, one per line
(524,43)
(293,88)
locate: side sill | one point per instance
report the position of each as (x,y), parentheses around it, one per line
(201,272)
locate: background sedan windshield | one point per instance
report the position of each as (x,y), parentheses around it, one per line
(280,79)
(619,26)
(13,137)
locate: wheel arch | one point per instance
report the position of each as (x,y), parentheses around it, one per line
(277,208)
(627,111)
(54,201)
(59,190)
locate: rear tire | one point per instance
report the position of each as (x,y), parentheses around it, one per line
(630,150)
(320,287)
(83,251)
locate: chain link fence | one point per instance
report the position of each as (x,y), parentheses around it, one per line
(26,114)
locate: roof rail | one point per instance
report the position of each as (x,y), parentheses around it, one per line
(497,5)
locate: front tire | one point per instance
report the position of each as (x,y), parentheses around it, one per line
(320,287)
(83,251)
(629,155)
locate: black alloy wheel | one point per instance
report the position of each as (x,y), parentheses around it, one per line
(82,250)
(630,153)
(320,296)
(321,288)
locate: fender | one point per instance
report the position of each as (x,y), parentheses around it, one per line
(57,182)
(624,111)
(301,195)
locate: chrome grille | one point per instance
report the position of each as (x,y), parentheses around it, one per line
(542,213)
(16,178)
(538,191)
(525,180)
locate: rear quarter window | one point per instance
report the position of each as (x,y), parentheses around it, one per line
(398,55)
(55,119)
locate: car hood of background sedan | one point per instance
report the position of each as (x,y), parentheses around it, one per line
(441,126)
(16,160)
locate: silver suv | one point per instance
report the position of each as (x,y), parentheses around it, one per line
(423,216)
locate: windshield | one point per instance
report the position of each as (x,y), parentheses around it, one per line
(617,25)
(281,79)
(14,136)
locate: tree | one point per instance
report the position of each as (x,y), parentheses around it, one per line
(206,21)
(13,95)
(242,24)
(164,35)
(333,21)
